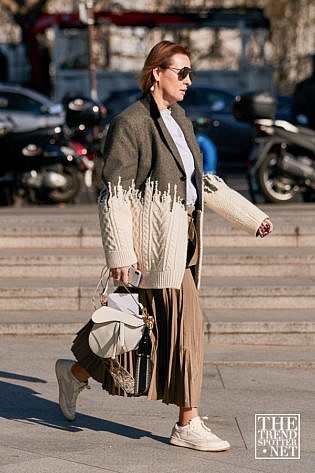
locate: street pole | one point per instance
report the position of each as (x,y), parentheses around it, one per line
(92,66)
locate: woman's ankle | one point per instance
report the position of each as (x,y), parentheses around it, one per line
(186,414)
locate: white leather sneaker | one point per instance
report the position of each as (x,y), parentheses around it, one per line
(69,388)
(198,436)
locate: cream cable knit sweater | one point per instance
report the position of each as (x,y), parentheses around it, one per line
(151,228)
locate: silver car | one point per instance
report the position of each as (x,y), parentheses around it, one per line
(28,110)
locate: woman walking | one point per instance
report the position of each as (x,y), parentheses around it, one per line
(151,214)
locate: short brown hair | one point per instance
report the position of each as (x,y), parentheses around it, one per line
(159,55)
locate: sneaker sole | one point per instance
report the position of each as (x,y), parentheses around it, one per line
(184,443)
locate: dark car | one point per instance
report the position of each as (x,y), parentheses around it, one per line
(284,104)
(120,99)
(210,109)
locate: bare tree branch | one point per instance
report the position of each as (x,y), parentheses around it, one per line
(24,12)
(10,6)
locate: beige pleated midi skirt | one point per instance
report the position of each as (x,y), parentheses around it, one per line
(178,341)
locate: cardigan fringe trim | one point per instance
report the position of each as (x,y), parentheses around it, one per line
(151,192)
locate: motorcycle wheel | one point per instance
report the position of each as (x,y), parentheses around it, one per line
(6,196)
(309,196)
(276,187)
(68,192)
(98,183)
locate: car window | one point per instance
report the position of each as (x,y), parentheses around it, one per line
(118,102)
(19,102)
(216,100)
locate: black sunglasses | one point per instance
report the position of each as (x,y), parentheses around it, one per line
(183,72)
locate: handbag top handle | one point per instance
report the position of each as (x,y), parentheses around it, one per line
(103,294)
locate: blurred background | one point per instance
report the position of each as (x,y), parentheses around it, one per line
(54,50)
(234,42)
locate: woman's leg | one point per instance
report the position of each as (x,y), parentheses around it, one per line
(80,373)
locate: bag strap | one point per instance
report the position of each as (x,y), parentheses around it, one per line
(104,288)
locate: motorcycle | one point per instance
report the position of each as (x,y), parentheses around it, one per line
(281,165)
(86,132)
(35,168)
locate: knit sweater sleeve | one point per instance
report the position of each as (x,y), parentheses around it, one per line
(231,205)
(116,227)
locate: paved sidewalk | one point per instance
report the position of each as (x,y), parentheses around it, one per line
(131,436)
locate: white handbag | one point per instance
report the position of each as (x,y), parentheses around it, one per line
(119,325)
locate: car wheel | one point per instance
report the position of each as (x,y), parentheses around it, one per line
(71,188)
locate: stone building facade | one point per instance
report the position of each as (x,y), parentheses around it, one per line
(287,47)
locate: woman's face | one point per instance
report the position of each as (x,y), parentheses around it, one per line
(170,88)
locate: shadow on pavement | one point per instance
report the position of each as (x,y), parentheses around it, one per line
(23,404)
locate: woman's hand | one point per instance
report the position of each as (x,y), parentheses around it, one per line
(121,274)
(265,228)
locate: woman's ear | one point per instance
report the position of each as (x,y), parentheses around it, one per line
(156,73)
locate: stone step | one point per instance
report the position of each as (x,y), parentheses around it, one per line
(217,262)
(51,263)
(89,237)
(292,327)
(50,237)
(258,292)
(229,293)
(258,262)
(51,258)
(258,327)
(294,212)
(78,227)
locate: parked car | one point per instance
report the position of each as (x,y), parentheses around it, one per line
(210,109)
(28,110)
(120,99)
